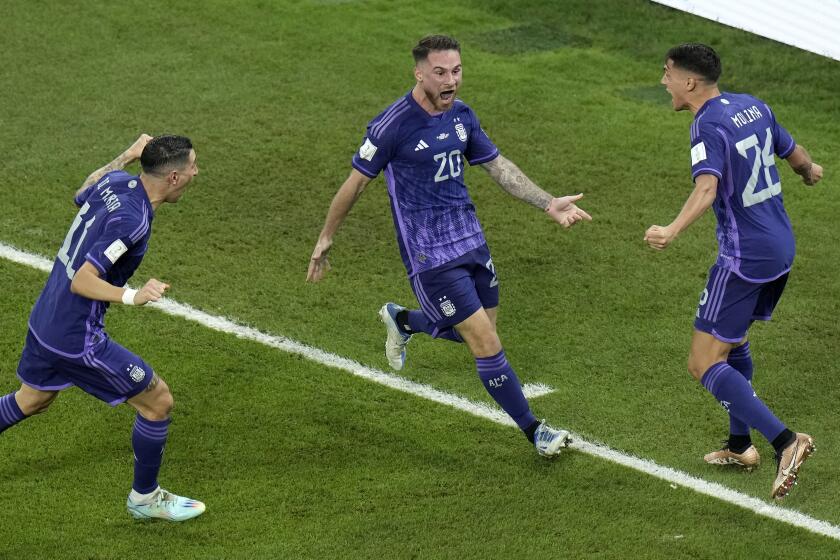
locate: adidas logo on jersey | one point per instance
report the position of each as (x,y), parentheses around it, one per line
(421,145)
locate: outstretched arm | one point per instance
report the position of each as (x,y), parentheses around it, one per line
(130,155)
(342,202)
(700,200)
(800,162)
(517,184)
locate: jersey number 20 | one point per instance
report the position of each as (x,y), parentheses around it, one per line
(763,158)
(454,159)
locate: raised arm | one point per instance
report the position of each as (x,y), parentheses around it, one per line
(800,162)
(342,202)
(130,155)
(514,182)
(700,200)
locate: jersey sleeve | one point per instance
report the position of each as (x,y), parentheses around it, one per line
(123,229)
(480,149)
(708,152)
(783,143)
(82,197)
(376,150)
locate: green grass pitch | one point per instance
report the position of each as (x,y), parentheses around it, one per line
(296,460)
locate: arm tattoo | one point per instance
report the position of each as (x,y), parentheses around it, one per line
(515,183)
(118,163)
(153,383)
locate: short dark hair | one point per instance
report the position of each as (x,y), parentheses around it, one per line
(162,153)
(434,43)
(698,58)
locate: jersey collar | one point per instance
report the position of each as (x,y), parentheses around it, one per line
(434,118)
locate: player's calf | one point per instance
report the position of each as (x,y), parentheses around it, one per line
(34,401)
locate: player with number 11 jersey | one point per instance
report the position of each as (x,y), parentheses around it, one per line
(111,231)
(67,345)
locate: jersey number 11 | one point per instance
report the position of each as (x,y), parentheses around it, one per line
(64,252)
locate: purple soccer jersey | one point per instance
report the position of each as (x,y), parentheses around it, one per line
(735,137)
(111,231)
(422,156)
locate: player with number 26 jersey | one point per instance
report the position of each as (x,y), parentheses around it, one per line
(735,137)
(734,141)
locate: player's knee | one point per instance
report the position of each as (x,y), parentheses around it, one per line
(488,345)
(162,403)
(696,367)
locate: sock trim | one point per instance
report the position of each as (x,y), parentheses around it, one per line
(742,351)
(712,376)
(491,363)
(10,411)
(152,429)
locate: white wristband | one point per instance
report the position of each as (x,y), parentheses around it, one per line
(128,296)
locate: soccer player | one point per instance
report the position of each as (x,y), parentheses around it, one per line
(421,142)
(67,344)
(733,141)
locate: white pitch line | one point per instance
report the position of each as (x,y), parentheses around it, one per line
(712,489)
(534,390)
(172,307)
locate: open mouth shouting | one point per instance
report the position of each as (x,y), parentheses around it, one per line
(447,95)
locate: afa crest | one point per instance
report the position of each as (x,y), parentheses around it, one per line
(461,131)
(136,373)
(448,308)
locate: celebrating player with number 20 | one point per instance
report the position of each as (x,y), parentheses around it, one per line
(421,142)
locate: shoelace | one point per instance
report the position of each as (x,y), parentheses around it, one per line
(163,498)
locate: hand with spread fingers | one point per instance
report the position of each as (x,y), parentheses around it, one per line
(565,212)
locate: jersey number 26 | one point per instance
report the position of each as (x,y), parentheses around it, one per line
(763,159)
